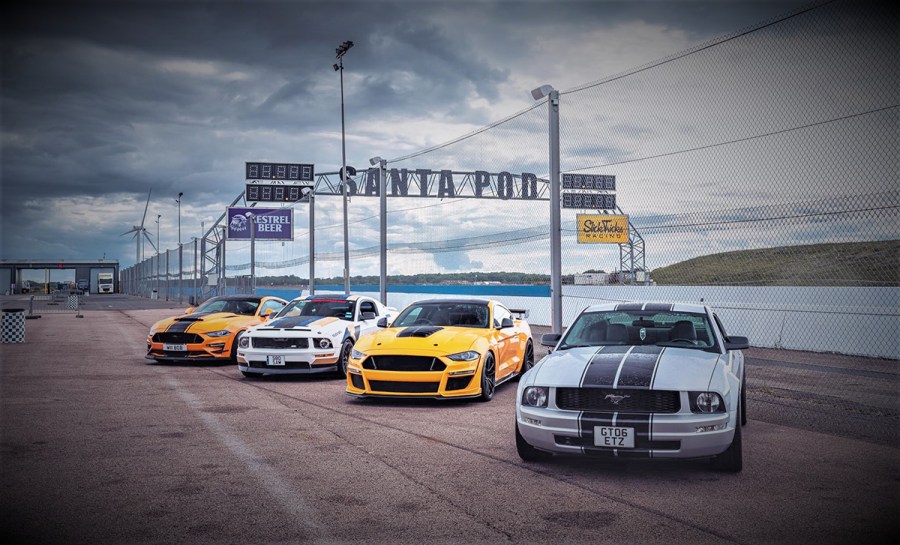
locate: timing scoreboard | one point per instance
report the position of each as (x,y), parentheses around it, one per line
(583,191)
(275,193)
(284,172)
(302,176)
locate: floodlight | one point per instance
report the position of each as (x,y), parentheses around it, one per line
(375,161)
(541,92)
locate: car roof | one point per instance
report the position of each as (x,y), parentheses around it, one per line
(651,306)
(330,297)
(452,301)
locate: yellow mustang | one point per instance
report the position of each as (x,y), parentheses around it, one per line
(442,348)
(211,331)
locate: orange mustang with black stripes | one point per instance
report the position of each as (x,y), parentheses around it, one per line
(312,334)
(209,332)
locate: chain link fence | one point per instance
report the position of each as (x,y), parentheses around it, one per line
(758,172)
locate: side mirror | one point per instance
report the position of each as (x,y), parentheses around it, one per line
(367,316)
(506,322)
(736,343)
(550,339)
(382,322)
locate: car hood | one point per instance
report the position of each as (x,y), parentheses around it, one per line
(659,368)
(203,321)
(301,325)
(421,339)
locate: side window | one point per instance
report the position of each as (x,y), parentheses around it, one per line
(274,305)
(499,314)
(367,306)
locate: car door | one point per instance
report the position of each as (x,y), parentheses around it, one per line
(506,342)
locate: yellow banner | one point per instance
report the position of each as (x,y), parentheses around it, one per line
(596,228)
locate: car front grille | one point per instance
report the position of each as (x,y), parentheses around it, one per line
(177,338)
(629,401)
(404,387)
(404,363)
(284,343)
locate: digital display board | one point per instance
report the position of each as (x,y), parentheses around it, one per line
(275,193)
(287,172)
(595,201)
(589,181)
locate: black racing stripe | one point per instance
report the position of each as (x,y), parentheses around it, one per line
(586,423)
(179,327)
(629,306)
(639,367)
(601,370)
(658,307)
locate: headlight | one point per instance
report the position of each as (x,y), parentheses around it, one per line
(244,342)
(535,396)
(220,333)
(356,354)
(468,355)
(323,343)
(706,402)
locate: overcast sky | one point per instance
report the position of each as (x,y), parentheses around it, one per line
(104,102)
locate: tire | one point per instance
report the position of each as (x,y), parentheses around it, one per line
(234,346)
(528,361)
(731,461)
(344,358)
(527,452)
(488,378)
(251,375)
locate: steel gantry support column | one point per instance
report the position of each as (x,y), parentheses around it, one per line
(555,224)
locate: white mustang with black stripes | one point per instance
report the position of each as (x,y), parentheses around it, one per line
(636,380)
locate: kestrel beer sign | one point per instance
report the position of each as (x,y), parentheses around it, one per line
(598,228)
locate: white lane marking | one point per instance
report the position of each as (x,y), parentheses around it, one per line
(291,499)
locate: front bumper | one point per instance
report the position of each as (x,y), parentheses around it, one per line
(674,435)
(215,350)
(458,379)
(301,361)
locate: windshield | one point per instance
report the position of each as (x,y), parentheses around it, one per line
(336,308)
(235,306)
(638,327)
(444,314)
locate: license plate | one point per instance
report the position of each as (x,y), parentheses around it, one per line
(274,360)
(612,436)
(175,347)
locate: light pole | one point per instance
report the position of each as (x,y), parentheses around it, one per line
(341,51)
(555,235)
(382,187)
(157,254)
(180,259)
(250,216)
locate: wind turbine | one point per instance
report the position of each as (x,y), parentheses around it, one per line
(139,230)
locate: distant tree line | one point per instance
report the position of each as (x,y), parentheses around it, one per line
(515,278)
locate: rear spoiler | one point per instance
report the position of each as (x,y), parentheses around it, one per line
(520,312)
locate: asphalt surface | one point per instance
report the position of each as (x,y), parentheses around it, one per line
(100,446)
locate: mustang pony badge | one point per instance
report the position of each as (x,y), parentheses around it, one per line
(614,399)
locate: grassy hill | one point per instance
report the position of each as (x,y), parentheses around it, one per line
(843,264)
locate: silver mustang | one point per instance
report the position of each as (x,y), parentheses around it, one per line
(636,380)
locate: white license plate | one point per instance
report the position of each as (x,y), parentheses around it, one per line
(274,360)
(175,347)
(613,436)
